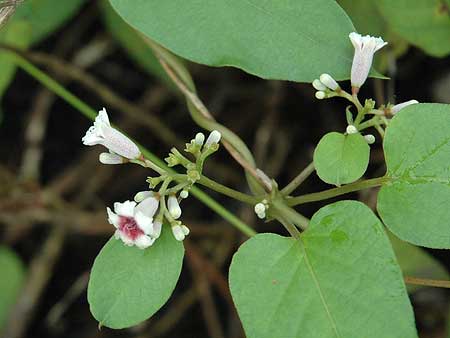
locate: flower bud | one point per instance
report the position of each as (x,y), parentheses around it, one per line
(110,158)
(178,232)
(318,85)
(328,81)
(213,138)
(320,95)
(199,139)
(174,207)
(395,109)
(351,129)
(184,194)
(370,139)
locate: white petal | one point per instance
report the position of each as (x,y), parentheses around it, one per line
(174,207)
(117,234)
(125,209)
(125,239)
(119,143)
(149,206)
(144,222)
(178,233)
(143,242)
(395,109)
(112,218)
(103,116)
(157,226)
(92,137)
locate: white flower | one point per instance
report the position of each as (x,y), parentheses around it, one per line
(351,129)
(102,133)
(134,223)
(110,158)
(365,47)
(180,232)
(174,207)
(329,82)
(395,109)
(213,138)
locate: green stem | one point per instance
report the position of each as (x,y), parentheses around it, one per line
(205,181)
(299,179)
(330,193)
(92,113)
(290,214)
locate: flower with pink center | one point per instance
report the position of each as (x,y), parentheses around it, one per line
(134,222)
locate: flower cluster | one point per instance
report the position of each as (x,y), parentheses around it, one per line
(327,87)
(140,222)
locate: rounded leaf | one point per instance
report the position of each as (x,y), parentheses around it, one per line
(293,40)
(128,285)
(414,204)
(341,159)
(341,279)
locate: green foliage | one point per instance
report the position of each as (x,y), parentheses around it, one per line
(33,21)
(333,282)
(415,261)
(128,285)
(131,41)
(11,281)
(414,205)
(289,40)
(423,23)
(341,159)
(17,34)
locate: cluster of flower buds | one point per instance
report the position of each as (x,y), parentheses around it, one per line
(325,86)
(139,222)
(260,209)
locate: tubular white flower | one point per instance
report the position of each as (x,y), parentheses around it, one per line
(213,138)
(320,95)
(395,109)
(199,139)
(110,158)
(178,232)
(133,223)
(319,85)
(174,207)
(102,133)
(351,129)
(365,48)
(370,139)
(328,81)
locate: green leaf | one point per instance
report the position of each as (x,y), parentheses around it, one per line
(340,280)
(424,23)
(341,159)
(416,262)
(132,42)
(45,16)
(365,16)
(414,204)
(17,34)
(293,40)
(128,285)
(13,274)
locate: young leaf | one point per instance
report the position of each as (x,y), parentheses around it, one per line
(128,285)
(339,280)
(10,282)
(414,204)
(341,159)
(423,23)
(285,39)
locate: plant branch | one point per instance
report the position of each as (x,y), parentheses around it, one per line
(330,193)
(299,179)
(427,282)
(224,190)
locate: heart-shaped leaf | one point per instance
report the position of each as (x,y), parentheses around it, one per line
(414,204)
(341,279)
(128,285)
(341,159)
(288,40)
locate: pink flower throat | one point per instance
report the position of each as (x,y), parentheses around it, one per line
(129,227)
